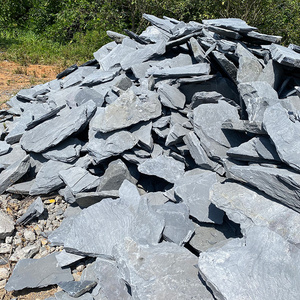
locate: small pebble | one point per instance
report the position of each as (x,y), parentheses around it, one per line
(4,273)
(29,235)
(8,239)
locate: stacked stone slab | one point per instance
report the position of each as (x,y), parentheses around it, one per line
(178,142)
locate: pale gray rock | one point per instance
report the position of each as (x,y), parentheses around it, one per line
(64,296)
(170,96)
(110,144)
(178,227)
(117,37)
(163,167)
(176,134)
(258,149)
(285,56)
(67,194)
(142,131)
(65,259)
(99,76)
(198,52)
(71,80)
(224,32)
(244,126)
(250,264)
(33,211)
(66,151)
(89,198)
(86,94)
(25,252)
(79,179)
(161,122)
(248,208)
(47,179)
(57,237)
(4,147)
(271,73)
(284,133)
(43,272)
(194,192)
(176,276)
(155,198)
(104,50)
(7,225)
(127,110)
(230,23)
(13,173)
(21,188)
(205,97)
(281,184)
(164,24)
(53,131)
(208,119)
(77,288)
(263,38)
(67,71)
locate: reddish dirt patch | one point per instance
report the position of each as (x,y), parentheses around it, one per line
(14,77)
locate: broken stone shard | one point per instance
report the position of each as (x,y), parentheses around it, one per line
(77,288)
(43,272)
(230,23)
(7,225)
(142,131)
(250,264)
(33,211)
(285,56)
(171,97)
(65,259)
(4,147)
(163,167)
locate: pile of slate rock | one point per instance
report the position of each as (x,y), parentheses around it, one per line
(178,154)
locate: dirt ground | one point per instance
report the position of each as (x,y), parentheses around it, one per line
(14,77)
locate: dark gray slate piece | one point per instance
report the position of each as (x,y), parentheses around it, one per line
(13,173)
(127,110)
(99,76)
(86,94)
(230,23)
(205,97)
(4,147)
(43,272)
(263,38)
(65,259)
(47,179)
(257,149)
(67,194)
(164,167)
(294,47)
(284,133)
(178,227)
(285,56)
(281,184)
(197,50)
(114,175)
(163,24)
(194,192)
(142,131)
(71,80)
(64,296)
(53,131)
(225,32)
(248,208)
(104,50)
(110,144)
(67,71)
(7,225)
(170,96)
(89,198)
(117,37)
(245,126)
(251,265)
(271,73)
(21,188)
(33,211)
(77,288)
(176,275)
(66,151)
(79,179)
(176,134)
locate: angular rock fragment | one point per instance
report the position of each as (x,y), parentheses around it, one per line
(99,76)
(7,225)
(67,71)
(25,252)
(176,134)
(250,264)
(142,131)
(22,188)
(77,288)
(261,38)
(64,296)
(244,126)
(4,147)
(175,277)
(285,56)
(164,167)
(170,96)
(230,23)
(33,211)
(43,272)
(65,259)
(89,198)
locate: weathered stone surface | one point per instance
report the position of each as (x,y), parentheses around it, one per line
(77,288)
(142,131)
(163,24)
(176,134)
(127,110)
(248,208)
(230,23)
(164,167)
(47,179)
(285,56)
(194,192)
(65,259)
(33,211)
(13,173)
(64,296)
(281,184)
(284,133)
(43,272)
(7,225)
(26,252)
(89,198)
(245,126)
(104,50)
(228,67)
(4,147)
(250,265)
(263,38)
(67,71)
(175,277)
(99,76)
(170,96)
(79,179)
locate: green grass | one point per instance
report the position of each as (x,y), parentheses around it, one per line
(26,47)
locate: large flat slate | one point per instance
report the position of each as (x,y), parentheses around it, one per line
(285,56)
(230,23)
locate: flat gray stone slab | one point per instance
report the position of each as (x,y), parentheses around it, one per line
(163,167)
(65,259)
(285,56)
(176,134)
(194,192)
(33,211)
(250,264)
(284,133)
(66,151)
(142,131)
(281,184)
(111,144)
(13,173)
(170,96)
(263,38)
(127,110)
(104,50)
(21,188)
(230,23)
(53,131)
(43,272)
(166,269)
(7,225)
(226,65)
(77,288)
(79,179)
(14,154)
(89,198)
(4,147)
(248,208)
(47,179)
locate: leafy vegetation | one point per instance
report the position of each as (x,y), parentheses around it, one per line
(67,31)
